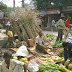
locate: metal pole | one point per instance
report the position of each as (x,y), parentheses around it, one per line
(14,4)
(23,3)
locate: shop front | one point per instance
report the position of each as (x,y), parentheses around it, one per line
(47,17)
(67,11)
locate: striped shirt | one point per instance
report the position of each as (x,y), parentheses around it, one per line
(69,40)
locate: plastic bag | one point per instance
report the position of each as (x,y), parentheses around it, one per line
(32,66)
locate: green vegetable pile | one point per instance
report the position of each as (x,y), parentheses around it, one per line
(57,44)
(60,53)
(50,37)
(53,68)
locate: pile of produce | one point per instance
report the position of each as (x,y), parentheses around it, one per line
(52,59)
(57,44)
(50,37)
(61,53)
(25,60)
(53,68)
(68,65)
(60,66)
(40,60)
(48,64)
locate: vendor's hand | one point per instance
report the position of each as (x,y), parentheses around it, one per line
(45,47)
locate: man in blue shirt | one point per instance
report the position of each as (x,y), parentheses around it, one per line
(67,48)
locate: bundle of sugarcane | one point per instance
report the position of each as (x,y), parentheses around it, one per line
(25,24)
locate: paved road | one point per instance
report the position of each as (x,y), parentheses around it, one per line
(50,32)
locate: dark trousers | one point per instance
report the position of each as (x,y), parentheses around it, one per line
(41,49)
(67,53)
(60,34)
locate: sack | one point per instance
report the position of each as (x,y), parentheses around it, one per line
(22,51)
(32,66)
(30,42)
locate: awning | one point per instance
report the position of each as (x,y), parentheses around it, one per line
(41,14)
(4,18)
(44,13)
(53,12)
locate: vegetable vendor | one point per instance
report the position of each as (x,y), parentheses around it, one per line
(60,28)
(67,48)
(9,65)
(40,43)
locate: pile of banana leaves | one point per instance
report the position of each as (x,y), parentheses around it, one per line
(50,67)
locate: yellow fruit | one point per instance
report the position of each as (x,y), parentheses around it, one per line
(50,60)
(43,59)
(15,58)
(26,62)
(62,59)
(19,59)
(66,63)
(55,59)
(70,66)
(59,59)
(23,59)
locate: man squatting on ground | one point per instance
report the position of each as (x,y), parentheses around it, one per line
(40,43)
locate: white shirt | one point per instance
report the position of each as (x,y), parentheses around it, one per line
(53,22)
(13,63)
(39,40)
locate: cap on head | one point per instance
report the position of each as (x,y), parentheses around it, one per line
(62,17)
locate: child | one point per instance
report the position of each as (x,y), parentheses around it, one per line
(10,37)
